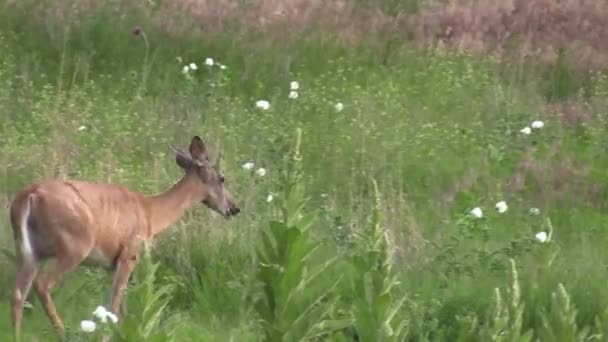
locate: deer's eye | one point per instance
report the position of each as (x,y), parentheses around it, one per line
(222,179)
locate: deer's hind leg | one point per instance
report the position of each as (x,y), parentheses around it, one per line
(26,273)
(65,262)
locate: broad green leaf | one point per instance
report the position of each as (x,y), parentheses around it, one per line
(316,302)
(391,314)
(307,220)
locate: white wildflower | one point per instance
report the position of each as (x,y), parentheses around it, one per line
(100,312)
(538,124)
(534,211)
(248,166)
(294,85)
(263,104)
(542,237)
(339,106)
(269,198)
(261,172)
(27,305)
(501,207)
(293,94)
(209,61)
(82,128)
(193,66)
(87,326)
(221,66)
(477,212)
(526,130)
(186,69)
(112,317)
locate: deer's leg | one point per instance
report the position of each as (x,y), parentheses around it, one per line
(25,276)
(45,282)
(124,267)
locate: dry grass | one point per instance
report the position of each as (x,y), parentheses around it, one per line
(557,177)
(540,27)
(345,20)
(536,29)
(570,113)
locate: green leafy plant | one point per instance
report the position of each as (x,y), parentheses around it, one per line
(295,296)
(506,321)
(376,302)
(559,321)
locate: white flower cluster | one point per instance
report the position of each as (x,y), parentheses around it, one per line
(103,315)
(263,104)
(260,172)
(293,90)
(191,67)
(535,125)
(501,208)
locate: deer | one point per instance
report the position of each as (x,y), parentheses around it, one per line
(67,222)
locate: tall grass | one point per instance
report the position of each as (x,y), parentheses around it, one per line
(438,132)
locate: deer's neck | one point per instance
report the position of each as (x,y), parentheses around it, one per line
(168,207)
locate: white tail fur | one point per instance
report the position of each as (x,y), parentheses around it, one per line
(27,253)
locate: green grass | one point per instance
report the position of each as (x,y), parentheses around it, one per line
(439,133)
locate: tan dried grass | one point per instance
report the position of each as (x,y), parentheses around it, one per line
(538,28)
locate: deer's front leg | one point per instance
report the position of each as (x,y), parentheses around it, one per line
(124,267)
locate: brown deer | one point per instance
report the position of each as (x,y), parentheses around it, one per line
(70,221)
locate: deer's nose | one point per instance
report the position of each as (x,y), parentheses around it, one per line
(234,211)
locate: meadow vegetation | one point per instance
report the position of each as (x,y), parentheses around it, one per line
(361,226)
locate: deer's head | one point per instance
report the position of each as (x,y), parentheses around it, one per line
(212,182)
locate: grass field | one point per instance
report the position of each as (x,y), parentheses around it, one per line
(394,154)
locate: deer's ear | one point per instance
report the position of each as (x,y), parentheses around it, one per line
(197,149)
(182,160)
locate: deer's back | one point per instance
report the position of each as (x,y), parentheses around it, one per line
(76,214)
